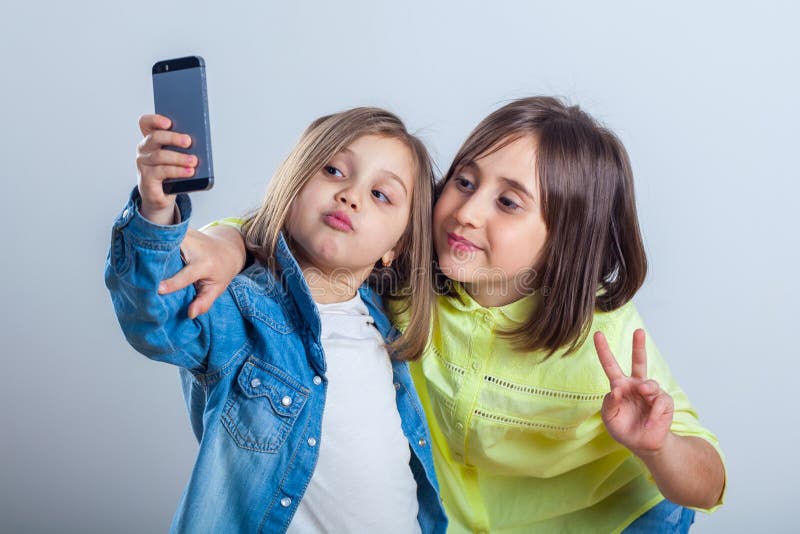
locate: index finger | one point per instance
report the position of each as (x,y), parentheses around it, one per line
(639,361)
(151,123)
(607,360)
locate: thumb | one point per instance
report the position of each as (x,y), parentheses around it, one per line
(611,404)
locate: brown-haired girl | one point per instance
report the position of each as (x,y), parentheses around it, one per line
(535,427)
(536,232)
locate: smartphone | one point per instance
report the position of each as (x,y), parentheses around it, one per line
(179,93)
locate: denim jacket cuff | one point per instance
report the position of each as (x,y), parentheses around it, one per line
(143,231)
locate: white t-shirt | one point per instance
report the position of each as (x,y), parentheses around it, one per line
(362,481)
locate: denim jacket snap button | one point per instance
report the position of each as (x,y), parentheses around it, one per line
(285,502)
(255,383)
(317,380)
(286,401)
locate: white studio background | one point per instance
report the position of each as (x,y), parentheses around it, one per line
(94,437)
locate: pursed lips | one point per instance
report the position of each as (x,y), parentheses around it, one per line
(338,220)
(461,243)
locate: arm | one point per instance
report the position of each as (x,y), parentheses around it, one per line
(638,414)
(145,245)
(687,470)
(213,258)
(156,326)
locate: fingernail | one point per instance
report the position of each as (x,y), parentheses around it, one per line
(187,140)
(188,170)
(162,287)
(190,160)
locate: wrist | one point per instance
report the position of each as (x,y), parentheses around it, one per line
(162,215)
(233,240)
(654,456)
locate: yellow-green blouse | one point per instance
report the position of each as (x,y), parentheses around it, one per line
(518,441)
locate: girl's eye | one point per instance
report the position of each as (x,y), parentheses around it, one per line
(508,203)
(380,196)
(333,171)
(463,183)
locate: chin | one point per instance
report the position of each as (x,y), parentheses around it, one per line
(456,270)
(327,251)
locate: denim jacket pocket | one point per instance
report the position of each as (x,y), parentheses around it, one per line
(263,406)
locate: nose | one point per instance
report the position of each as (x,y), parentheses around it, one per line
(349,197)
(470,213)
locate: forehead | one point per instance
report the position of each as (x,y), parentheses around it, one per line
(510,158)
(382,154)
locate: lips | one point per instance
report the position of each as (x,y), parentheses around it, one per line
(338,220)
(461,243)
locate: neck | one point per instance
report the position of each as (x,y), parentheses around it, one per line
(493,295)
(329,286)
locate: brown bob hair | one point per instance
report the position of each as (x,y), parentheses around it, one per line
(409,278)
(593,257)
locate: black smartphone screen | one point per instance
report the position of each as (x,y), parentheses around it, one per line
(179,92)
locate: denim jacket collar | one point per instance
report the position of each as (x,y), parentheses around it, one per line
(291,272)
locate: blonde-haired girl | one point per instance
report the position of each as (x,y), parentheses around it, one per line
(304,422)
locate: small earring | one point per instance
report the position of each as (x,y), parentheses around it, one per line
(386,263)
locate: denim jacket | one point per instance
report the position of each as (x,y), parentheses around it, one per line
(253,376)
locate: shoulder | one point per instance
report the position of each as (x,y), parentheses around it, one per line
(617,325)
(624,315)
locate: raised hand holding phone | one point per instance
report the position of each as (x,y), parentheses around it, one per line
(637,412)
(156,164)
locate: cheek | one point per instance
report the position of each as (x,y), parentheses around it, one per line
(440,211)
(398,226)
(294,219)
(516,250)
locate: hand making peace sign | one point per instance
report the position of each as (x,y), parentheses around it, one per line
(637,412)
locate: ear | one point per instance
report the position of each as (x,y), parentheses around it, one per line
(387,258)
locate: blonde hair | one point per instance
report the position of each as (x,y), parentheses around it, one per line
(410,276)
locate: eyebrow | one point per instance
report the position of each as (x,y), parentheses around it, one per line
(511,182)
(393,176)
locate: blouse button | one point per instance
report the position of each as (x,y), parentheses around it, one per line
(459,426)
(286,401)
(254,383)
(476,364)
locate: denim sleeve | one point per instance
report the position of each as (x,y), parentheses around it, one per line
(141,255)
